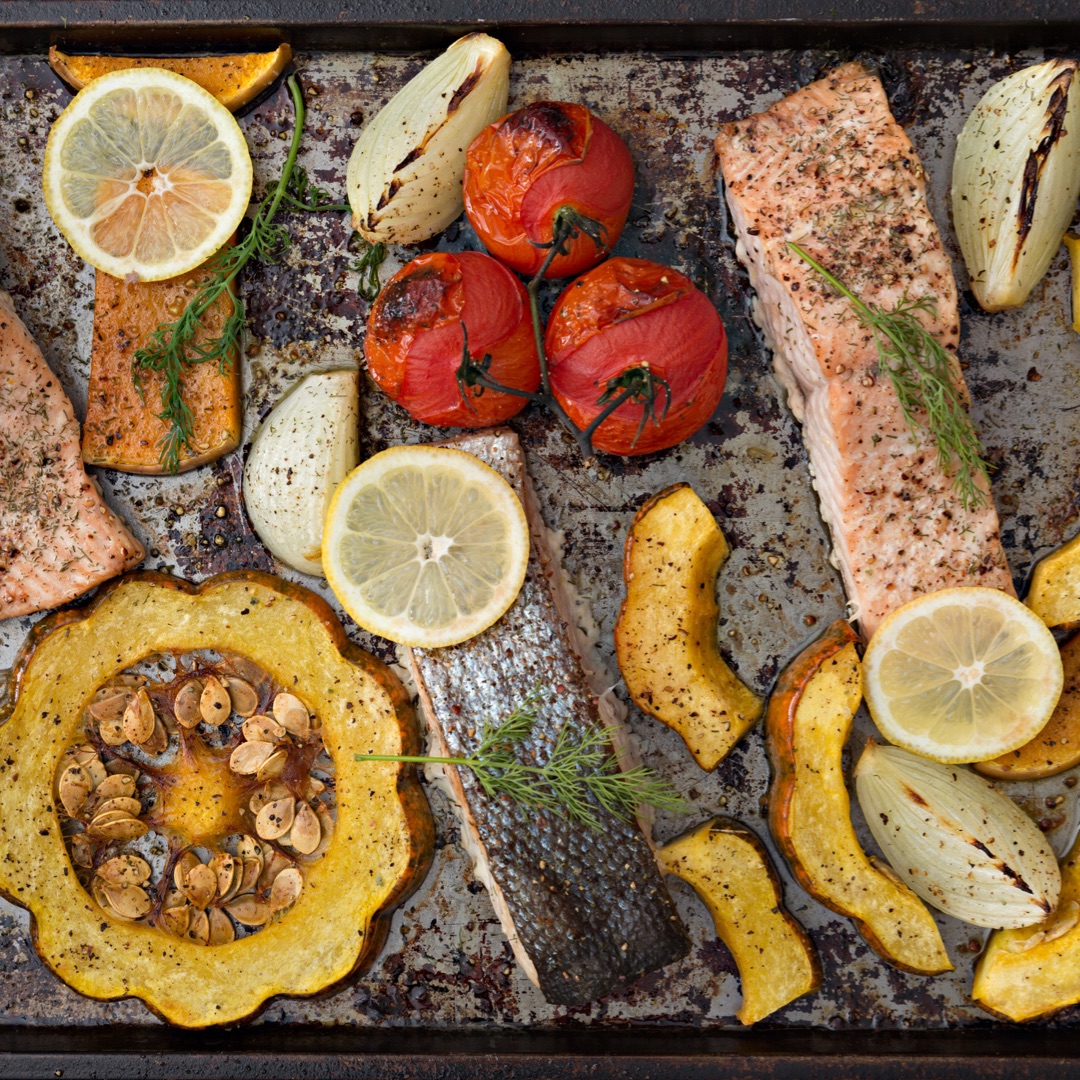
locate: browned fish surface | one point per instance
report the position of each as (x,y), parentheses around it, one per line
(585,910)
(830,169)
(57,536)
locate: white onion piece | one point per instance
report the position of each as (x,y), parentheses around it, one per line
(1016,177)
(405,174)
(965,848)
(302,451)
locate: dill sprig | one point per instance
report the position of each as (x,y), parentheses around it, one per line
(580,776)
(920,370)
(175,346)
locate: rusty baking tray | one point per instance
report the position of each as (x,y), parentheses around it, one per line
(444,997)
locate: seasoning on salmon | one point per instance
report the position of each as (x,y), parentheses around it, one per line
(57,537)
(829,169)
(585,910)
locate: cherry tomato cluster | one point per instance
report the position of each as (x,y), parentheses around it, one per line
(634,356)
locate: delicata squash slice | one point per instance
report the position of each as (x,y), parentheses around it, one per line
(808,721)
(729,868)
(665,638)
(180,810)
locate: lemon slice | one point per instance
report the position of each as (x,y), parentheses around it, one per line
(146,174)
(962,675)
(425,545)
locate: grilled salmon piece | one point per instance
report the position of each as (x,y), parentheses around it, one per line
(586,911)
(830,169)
(57,536)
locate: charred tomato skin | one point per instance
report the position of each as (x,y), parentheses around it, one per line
(632,313)
(522,168)
(415,339)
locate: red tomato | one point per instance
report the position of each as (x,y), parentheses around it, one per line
(414,338)
(522,168)
(627,314)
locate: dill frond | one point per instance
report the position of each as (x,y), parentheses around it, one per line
(920,370)
(189,340)
(580,777)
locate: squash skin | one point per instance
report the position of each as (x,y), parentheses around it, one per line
(729,868)
(665,636)
(832,867)
(342,918)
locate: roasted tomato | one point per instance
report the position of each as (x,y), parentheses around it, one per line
(416,337)
(523,168)
(636,329)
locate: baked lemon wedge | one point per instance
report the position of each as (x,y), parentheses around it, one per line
(425,545)
(146,174)
(962,675)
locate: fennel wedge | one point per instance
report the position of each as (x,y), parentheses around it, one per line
(1016,178)
(303,450)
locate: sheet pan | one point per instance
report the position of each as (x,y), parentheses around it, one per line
(446,976)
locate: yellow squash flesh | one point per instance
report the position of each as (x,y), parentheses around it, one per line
(1054,594)
(808,722)
(728,867)
(665,638)
(1020,983)
(381,845)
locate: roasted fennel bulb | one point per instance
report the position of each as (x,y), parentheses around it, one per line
(405,174)
(1016,177)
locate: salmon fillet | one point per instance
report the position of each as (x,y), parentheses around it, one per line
(586,911)
(57,536)
(830,169)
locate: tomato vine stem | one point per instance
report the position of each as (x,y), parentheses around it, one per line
(636,384)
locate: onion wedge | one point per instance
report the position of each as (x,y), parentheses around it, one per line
(302,451)
(1016,177)
(405,174)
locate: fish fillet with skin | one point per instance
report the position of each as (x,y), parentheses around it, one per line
(830,169)
(585,910)
(57,537)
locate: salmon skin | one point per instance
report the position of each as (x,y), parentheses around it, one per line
(57,537)
(830,169)
(586,911)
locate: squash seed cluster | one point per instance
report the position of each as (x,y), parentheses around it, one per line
(202,895)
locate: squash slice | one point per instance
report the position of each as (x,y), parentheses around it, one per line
(807,724)
(233,80)
(1033,972)
(381,845)
(665,638)
(1054,594)
(729,868)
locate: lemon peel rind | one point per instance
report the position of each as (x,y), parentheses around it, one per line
(965,753)
(76,232)
(398,629)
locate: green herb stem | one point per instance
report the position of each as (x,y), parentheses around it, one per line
(920,370)
(580,776)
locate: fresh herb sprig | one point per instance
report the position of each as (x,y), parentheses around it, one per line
(920,370)
(191,339)
(637,385)
(580,776)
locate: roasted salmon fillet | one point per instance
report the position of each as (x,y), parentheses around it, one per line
(57,536)
(830,169)
(586,911)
